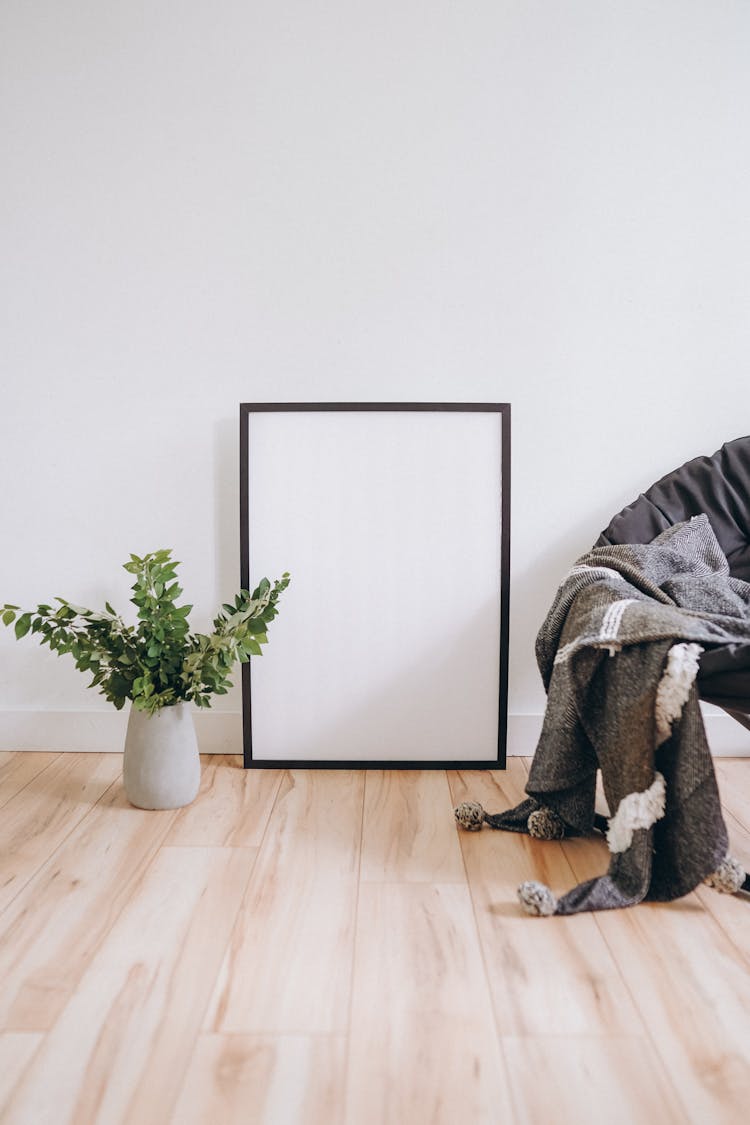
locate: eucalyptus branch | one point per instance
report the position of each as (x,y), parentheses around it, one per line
(159,662)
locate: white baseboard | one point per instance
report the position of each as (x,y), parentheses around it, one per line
(726,737)
(220,732)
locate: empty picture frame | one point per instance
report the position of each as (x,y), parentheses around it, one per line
(391,644)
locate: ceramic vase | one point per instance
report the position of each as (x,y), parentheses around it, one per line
(161,766)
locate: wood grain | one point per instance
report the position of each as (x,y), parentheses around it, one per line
(733,776)
(232,807)
(347,967)
(589,1080)
(266,1080)
(732,912)
(16,1051)
(692,988)
(120,1048)
(423,1044)
(17,770)
(289,964)
(38,818)
(57,922)
(547,976)
(409,832)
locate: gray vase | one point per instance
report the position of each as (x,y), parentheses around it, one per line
(161,767)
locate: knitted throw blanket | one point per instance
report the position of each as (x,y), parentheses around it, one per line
(619,653)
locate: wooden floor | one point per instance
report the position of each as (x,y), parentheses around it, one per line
(325,947)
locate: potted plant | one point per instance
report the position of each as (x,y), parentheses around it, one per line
(159,665)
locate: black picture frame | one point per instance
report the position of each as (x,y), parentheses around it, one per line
(503,412)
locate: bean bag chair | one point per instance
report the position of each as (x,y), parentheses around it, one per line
(718,486)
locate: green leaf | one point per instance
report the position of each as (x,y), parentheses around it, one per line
(158,661)
(23,625)
(81,609)
(118,685)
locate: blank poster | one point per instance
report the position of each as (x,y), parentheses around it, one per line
(387,647)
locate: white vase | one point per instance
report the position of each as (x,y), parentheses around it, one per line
(161,767)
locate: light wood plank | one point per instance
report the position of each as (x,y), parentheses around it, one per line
(57,922)
(692,988)
(16,1051)
(423,1044)
(733,776)
(17,770)
(289,965)
(36,821)
(552,974)
(408,833)
(732,912)
(589,1080)
(119,1050)
(232,807)
(266,1080)
(133,947)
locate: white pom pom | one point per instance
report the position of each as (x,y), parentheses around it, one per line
(535,898)
(728,876)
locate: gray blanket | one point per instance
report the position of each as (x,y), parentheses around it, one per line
(619,652)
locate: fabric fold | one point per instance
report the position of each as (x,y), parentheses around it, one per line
(619,657)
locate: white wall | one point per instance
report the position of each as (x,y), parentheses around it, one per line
(541,203)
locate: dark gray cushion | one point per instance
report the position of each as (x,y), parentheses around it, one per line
(718,485)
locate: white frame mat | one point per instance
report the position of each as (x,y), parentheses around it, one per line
(391,644)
